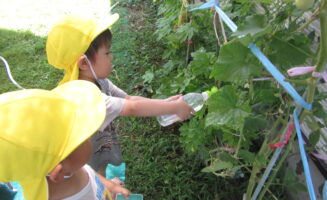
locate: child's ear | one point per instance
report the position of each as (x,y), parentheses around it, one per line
(82,63)
(57,173)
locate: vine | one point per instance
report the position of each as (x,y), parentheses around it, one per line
(234,130)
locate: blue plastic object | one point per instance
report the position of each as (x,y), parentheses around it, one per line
(19,189)
(304,157)
(113,171)
(324,191)
(6,193)
(131,197)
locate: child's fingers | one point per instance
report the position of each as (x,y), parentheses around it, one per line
(117,181)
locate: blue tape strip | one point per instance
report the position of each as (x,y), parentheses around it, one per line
(204,6)
(324,191)
(304,157)
(279,77)
(266,173)
(226,19)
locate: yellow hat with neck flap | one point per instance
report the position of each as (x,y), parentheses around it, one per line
(70,38)
(40,128)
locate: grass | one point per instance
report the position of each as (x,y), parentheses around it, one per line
(26,57)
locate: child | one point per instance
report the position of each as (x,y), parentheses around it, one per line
(44,142)
(81,47)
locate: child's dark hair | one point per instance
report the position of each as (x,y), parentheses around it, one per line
(102,39)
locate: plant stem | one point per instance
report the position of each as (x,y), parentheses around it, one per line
(313,17)
(276,169)
(303,82)
(257,166)
(239,142)
(323,37)
(322,60)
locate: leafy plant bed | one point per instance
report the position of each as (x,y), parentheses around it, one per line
(248,113)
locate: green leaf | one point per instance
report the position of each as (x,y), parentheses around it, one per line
(185,32)
(229,139)
(247,156)
(202,62)
(235,63)
(217,165)
(228,158)
(227,107)
(319,111)
(255,25)
(314,138)
(233,117)
(254,126)
(148,76)
(289,50)
(292,183)
(193,134)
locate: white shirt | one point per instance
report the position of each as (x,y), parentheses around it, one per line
(94,189)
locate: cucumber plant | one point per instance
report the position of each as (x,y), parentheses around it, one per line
(243,115)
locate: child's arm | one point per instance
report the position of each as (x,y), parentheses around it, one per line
(154,107)
(114,188)
(137,98)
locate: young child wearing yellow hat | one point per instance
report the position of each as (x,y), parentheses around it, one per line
(44,142)
(81,46)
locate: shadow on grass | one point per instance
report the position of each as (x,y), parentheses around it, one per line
(26,56)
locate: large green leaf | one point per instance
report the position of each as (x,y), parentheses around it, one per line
(235,63)
(193,134)
(288,50)
(202,62)
(217,165)
(255,25)
(227,107)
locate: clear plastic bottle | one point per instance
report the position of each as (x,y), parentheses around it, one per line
(195,100)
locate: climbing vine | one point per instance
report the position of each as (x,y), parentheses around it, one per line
(247,111)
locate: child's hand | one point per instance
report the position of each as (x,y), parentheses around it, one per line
(173,98)
(117,180)
(115,188)
(184,111)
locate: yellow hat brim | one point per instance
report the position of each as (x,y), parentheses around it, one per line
(40,128)
(87,120)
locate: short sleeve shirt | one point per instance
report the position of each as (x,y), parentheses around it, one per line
(94,190)
(115,100)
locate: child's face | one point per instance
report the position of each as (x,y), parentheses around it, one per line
(103,61)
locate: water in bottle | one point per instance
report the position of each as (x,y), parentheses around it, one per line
(195,100)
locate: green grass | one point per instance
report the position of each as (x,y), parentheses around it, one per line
(26,57)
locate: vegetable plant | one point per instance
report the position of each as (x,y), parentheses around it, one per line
(247,111)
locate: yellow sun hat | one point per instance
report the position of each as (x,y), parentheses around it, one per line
(70,38)
(40,128)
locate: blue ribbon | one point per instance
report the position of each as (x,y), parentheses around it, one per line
(279,77)
(226,19)
(304,157)
(204,6)
(324,191)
